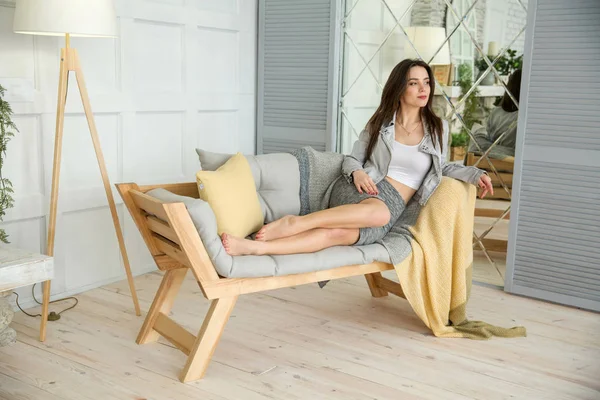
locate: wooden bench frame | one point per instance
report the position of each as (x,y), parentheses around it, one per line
(174,242)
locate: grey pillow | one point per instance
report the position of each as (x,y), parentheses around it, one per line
(276,177)
(205,222)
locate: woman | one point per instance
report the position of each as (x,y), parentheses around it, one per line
(400,155)
(502,121)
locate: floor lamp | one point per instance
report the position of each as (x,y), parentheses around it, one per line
(84,18)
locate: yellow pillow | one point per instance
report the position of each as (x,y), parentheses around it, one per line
(231,193)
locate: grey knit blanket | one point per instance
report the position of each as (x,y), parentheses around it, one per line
(319,171)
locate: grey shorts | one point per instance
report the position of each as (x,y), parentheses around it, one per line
(344,192)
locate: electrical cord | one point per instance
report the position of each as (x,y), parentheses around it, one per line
(52,316)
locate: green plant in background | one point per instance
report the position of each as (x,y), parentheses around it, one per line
(472,108)
(7,131)
(506,64)
(480,64)
(511,62)
(459,139)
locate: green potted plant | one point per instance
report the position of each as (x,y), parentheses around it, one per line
(482,66)
(458,146)
(7,131)
(472,111)
(506,65)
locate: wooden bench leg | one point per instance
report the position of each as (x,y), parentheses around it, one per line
(207,339)
(163,302)
(376,291)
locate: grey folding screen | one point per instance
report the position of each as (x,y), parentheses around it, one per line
(554,246)
(298,58)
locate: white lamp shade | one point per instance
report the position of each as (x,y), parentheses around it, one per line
(57,17)
(427,39)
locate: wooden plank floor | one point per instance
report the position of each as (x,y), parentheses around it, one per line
(306,343)
(483,270)
(487,273)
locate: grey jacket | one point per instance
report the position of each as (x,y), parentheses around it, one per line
(377,166)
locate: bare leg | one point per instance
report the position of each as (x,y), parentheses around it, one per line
(305,242)
(368,213)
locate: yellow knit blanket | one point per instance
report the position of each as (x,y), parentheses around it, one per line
(436,277)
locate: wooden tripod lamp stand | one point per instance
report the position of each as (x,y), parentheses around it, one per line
(83,18)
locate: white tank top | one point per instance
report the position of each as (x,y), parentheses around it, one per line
(409,166)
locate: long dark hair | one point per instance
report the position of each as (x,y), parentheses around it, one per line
(390,102)
(513,86)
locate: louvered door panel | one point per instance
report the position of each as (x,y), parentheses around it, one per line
(297,74)
(558,241)
(554,250)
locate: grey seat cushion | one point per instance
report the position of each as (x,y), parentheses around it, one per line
(276,177)
(258,266)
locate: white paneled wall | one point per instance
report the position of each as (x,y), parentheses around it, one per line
(181,75)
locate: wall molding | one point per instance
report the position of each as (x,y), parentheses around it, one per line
(149,122)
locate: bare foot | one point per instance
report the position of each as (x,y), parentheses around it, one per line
(235,246)
(283,227)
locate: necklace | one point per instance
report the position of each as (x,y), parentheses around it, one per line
(407,131)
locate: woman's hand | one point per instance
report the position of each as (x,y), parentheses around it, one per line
(485,183)
(364,183)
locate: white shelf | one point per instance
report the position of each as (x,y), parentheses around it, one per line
(19,267)
(484,91)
